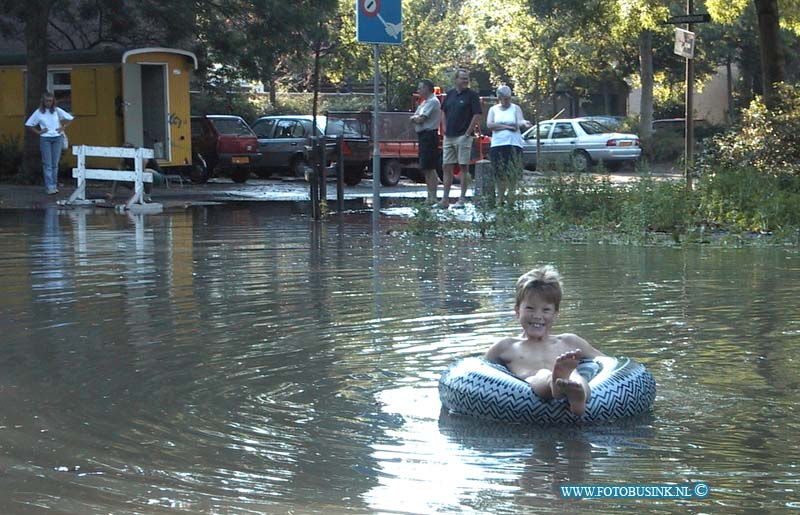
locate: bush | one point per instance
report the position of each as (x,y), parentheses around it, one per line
(10,156)
(664,146)
(580,199)
(768,140)
(745,199)
(651,205)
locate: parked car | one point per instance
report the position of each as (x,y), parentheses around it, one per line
(579,142)
(608,121)
(284,142)
(702,129)
(224,144)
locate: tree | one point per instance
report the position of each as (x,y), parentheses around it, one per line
(263,40)
(643,19)
(769,19)
(34,16)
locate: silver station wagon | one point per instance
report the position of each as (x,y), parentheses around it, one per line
(580,143)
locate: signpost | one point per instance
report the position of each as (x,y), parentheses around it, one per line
(378,22)
(684,46)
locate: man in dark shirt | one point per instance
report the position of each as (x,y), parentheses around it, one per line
(462,111)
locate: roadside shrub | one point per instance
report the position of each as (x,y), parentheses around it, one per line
(10,156)
(580,200)
(768,140)
(655,205)
(745,199)
(665,146)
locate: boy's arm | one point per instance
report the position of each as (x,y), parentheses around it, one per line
(495,352)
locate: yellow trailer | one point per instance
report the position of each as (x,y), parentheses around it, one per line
(140,96)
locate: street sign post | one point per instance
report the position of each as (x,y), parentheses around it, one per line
(379,22)
(684,46)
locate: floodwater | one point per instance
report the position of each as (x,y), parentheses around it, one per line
(233,360)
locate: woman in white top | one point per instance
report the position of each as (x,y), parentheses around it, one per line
(506,122)
(49,121)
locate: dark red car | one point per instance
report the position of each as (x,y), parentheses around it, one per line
(225,144)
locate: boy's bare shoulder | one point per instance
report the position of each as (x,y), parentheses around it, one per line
(498,348)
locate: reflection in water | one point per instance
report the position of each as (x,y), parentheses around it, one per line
(228,360)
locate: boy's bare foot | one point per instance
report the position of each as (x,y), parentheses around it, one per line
(564,366)
(575,395)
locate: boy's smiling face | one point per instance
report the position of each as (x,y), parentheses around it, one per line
(536,315)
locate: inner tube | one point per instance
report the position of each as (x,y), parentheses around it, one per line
(473,386)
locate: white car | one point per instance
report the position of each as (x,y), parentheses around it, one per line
(580,143)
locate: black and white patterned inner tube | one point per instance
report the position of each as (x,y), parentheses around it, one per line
(620,388)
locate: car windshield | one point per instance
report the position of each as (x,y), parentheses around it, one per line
(593,127)
(233,126)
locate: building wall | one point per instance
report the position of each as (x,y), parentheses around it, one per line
(710,99)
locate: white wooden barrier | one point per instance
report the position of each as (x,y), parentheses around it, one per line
(138,176)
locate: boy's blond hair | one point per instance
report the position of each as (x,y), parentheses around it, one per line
(544,281)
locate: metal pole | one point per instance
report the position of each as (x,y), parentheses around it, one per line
(339,174)
(689,161)
(313,182)
(376,154)
(322,175)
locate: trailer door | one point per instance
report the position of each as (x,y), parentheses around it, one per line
(132,104)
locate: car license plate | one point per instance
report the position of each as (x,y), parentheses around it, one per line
(241,160)
(625,143)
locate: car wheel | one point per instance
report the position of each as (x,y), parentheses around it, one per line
(581,161)
(297,167)
(390,172)
(352,176)
(263,173)
(198,174)
(240,175)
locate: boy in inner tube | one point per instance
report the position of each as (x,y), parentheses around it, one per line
(545,361)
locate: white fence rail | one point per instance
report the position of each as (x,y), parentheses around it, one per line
(138,175)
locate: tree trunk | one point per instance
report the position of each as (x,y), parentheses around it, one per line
(773,68)
(646,71)
(273,95)
(35,19)
(729,89)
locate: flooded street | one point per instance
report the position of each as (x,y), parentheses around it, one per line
(237,360)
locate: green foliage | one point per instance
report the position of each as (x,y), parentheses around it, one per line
(302,103)
(223,101)
(767,141)
(654,205)
(594,203)
(580,199)
(10,156)
(745,199)
(666,145)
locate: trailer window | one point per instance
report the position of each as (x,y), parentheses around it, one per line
(60,83)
